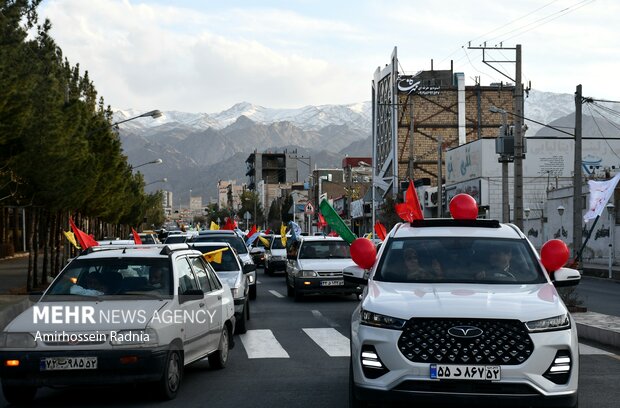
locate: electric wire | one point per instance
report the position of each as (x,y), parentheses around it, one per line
(601,132)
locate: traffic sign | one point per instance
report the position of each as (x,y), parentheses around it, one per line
(309,209)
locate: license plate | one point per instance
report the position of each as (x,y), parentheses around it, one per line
(465,372)
(332,283)
(68,363)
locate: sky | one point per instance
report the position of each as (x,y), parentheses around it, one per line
(205,56)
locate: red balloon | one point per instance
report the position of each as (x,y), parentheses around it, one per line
(554,254)
(363,252)
(463,207)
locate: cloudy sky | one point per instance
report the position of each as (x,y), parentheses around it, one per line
(204,55)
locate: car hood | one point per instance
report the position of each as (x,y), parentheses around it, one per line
(230,278)
(109,315)
(327,265)
(407,300)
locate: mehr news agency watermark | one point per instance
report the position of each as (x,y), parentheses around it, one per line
(88,315)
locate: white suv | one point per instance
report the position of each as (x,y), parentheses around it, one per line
(462,312)
(119,314)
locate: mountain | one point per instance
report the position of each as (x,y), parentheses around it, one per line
(198,149)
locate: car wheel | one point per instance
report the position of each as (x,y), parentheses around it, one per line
(172,375)
(18,394)
(354,402)
(290,292)
(220,357)
(253,292)
(241,327)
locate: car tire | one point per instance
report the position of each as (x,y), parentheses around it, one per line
(240,326)
(19,394)
(172,376)
(290,292)
(253,292)
(354,402)
(220,357)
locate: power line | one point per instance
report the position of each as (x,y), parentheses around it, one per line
(601,132)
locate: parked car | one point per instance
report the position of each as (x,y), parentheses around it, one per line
(462,312)
(112,317)
(236,242)
(275,256)
(231,270)
(257,250)
(314,266)
(146,237)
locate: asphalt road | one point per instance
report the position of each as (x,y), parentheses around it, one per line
(290,369)
(599,295)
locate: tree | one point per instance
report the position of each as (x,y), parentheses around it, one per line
(273,219)
(287,204)
(251,204)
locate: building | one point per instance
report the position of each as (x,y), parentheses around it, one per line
(229,194)
(268,173)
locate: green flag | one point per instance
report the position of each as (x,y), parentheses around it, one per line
(335,222)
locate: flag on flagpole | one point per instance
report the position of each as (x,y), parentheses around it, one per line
(410,210)
(265,241)
(335,222)
(600,192)
(214,256)
(380,230)
(85,240)
(295,230)
(252,231)
(214,226)
(136,237)
(71,238)
(322,223)
(283,235)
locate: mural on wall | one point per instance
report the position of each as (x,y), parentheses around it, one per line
(561,232)
(532,232)
(601,233)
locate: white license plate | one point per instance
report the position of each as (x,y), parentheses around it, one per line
(68,363)
(332,283)
(465,372)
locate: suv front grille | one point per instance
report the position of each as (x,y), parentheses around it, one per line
(465,341)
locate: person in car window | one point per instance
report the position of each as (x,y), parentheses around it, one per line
(94,286)
(416,267)
(158,277)
(499,264)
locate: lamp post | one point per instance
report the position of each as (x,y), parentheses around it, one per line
(153,114)
(157,181)
(156,161)
(610,213)
(561,212)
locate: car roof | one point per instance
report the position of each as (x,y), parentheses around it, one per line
(440,227)
(314,238)
(217,232)
(133,251)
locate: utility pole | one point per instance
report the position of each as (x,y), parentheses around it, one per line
(439,177)
(577,176)
(518,135)
(411,157)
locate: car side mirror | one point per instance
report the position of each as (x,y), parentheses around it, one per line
(355,275)
(191,294)
(247,268)
(565,277)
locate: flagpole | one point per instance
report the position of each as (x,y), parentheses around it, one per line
(583,246)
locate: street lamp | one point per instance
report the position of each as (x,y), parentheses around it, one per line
(153,114)
(610,212)
(156,161)
(157,181)
(561,212)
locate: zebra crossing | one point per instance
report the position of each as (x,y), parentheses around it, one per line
(263,343)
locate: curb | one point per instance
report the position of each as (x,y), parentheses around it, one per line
(598,327)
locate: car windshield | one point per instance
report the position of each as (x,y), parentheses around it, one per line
(234,240)
(276,243)
(459,260)
(324,250)
(110,277)
(228,261)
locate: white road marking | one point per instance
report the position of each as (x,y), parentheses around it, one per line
(330,340)
(276,293)
(262,344)
(584,350)
(324,319)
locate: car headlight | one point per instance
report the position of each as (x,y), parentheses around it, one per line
(560,322)
(307,274)
(17,340)
(142,337)
(382,321)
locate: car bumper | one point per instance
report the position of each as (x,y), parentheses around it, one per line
(520,385)
(239,307)
(325,285)
(113,367)
(277,265)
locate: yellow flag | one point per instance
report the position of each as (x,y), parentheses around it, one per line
(214,226)
(369,235)
(71,238)
(214,256)
(283,235)
(265,241)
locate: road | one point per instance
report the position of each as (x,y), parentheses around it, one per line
(600,295)
(287,368)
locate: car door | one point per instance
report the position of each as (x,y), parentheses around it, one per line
(195,334)
(212,302)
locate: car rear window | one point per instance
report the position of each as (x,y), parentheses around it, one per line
(324,250)
(234,241)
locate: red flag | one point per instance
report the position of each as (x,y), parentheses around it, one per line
(85,240)
(268,231)
(252,231)
(410,210)
(136,237)
(332,234)
(230,224)
(380,230)
(322,223)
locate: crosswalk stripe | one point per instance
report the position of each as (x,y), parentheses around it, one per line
(262,344)
(276,293)
(330,340)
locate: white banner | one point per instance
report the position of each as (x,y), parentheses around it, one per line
(600,192)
